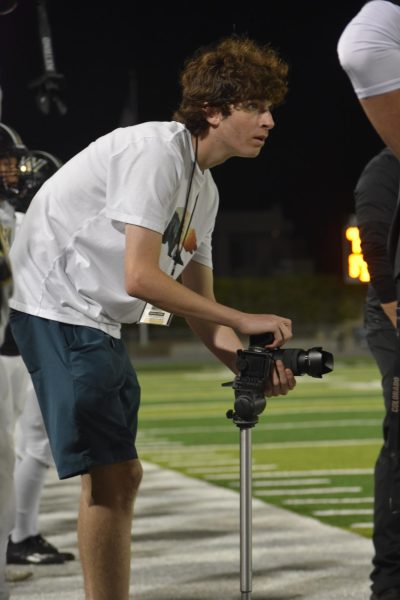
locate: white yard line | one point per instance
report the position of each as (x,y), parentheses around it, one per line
(343,511)
(287,426)
(173,448)
(305,492)
(310,501)
(270,473)
(367,525)
(272,482)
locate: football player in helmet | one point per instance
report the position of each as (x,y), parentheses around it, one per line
(22,173)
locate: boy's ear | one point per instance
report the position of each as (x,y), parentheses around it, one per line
(213,115)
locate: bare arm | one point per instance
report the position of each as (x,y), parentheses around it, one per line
(383,112)
(195,301)
(145,280)
(220,339)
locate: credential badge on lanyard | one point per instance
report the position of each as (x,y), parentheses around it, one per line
(152,315)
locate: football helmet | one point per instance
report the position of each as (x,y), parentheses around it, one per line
(43,165)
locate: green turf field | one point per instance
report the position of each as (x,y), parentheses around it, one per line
(313,450)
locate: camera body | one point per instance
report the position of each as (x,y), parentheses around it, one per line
(255,366)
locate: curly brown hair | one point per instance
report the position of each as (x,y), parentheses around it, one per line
(234,70)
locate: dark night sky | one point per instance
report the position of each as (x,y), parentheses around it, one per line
(315,153)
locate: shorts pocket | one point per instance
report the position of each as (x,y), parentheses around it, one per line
(69,335)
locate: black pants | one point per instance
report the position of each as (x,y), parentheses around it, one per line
(383,344)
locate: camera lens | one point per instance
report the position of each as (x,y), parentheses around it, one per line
(314,361)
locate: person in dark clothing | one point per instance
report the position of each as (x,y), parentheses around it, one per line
(369,52)
(375,201)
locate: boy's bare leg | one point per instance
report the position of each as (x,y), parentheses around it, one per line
(104,529)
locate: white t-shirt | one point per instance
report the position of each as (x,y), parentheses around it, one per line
(68,255)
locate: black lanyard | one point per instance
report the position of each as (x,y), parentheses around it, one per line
(180,239)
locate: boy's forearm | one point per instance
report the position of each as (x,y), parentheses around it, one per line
(220,340)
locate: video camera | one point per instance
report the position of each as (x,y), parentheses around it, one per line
(254,366)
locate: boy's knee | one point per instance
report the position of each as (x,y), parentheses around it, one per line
(115,485)
(134,475)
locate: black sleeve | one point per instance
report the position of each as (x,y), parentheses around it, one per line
(373,244)
(375,201)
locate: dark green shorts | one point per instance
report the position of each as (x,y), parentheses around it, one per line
(87,390)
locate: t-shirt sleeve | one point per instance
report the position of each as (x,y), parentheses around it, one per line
(141,183)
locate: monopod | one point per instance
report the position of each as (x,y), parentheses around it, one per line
(254,367)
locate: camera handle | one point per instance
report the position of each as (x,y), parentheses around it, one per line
(246,513)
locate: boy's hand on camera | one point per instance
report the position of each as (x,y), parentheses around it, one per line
(281,380)
(280,327)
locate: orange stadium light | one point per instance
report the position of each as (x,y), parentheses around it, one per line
(355,265)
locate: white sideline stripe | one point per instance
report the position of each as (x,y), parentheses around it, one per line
(271,426)
(362,525)
(258,472)
(205,375)
(211,448)
(144,443)
(305,492)
(272,483)
(317,410)
(231,474)
(343,511)
(232,467)
(221,466)
(336,409)
(361,385)
(204,412)
(315,444)
(319,472)
(283,482)
(333,381)
(305,501)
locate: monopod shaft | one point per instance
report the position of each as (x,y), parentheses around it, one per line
(245,514)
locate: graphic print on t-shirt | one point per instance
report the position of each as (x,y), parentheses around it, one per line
(174,232)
